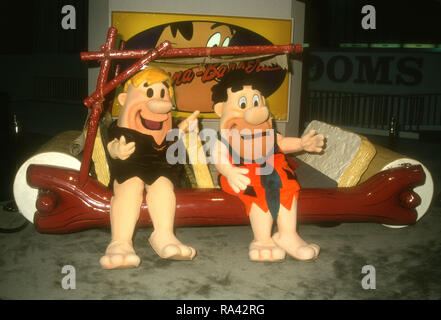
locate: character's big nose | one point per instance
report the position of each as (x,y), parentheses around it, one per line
(159,106)
(256,115)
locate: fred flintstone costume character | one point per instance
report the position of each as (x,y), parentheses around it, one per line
(137,149)
(267,188)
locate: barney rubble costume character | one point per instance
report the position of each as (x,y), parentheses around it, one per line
(137,149)
(252,165)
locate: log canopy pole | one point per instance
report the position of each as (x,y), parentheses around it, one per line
(105,64)
(98,106)
(122,45)
(197,52)
(92,129)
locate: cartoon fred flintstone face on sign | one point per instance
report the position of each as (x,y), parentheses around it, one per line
(195,34)
(188,34)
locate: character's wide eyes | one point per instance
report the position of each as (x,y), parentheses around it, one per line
(242,102)
(255,100)
(162,93)
(150,92)
(226,42)
(214,40)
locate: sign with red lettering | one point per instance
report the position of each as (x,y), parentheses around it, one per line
(193,79)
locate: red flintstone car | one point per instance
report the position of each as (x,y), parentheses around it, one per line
(71,200)
(65,205)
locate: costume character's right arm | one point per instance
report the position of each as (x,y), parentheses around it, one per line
(236,177)
(119,149)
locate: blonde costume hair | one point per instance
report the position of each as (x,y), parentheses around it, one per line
(152,75)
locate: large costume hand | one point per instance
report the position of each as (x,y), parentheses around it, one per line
(191,123)
(237,179)
(313,142)
(119,149)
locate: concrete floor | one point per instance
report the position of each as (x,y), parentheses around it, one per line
(406,261)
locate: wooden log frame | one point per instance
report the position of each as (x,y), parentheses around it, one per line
(70,200)
(195,52)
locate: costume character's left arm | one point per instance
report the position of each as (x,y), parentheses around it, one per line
(311,142)
(190,124)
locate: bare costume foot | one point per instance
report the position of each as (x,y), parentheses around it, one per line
(263,248)
(296,247)
(288,239)
(124,212)
(120,255)
(266,252)
(167,246)
(161,202)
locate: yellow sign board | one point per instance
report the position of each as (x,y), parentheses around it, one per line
(193,82)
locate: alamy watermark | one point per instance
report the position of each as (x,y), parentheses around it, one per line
(369,281)
(369,20)
(69,19)
(69,281)
(216,147)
